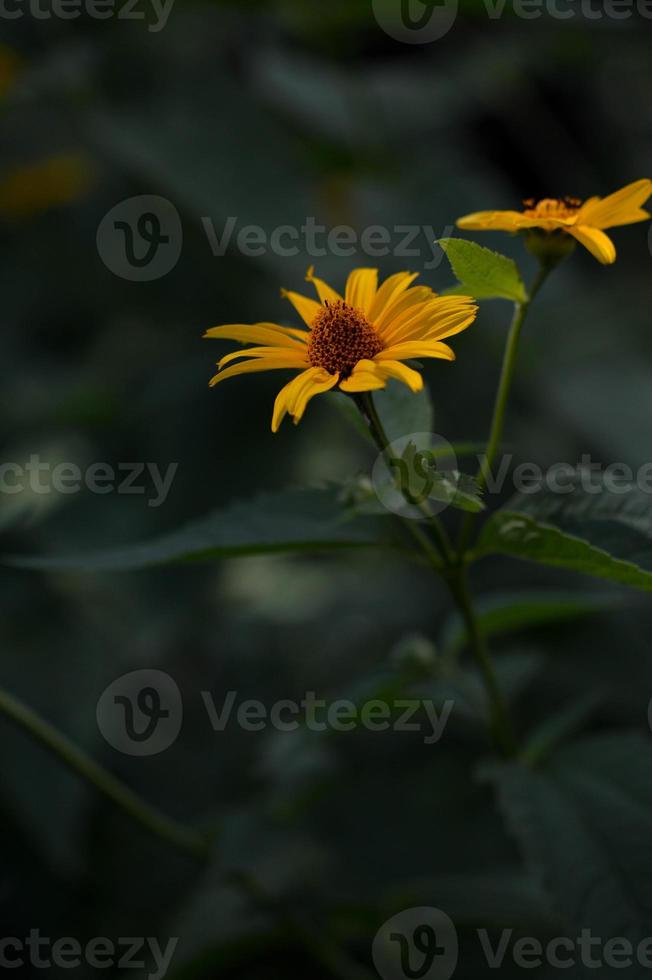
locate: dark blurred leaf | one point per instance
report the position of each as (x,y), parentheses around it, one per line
(15,513)
(584,825)
(510,612)
(483,273)
(404,412)
(560,726)
(487,898)
(605,534)
(465,686)
(301,520)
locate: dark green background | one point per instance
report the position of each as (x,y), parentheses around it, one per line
(271,112)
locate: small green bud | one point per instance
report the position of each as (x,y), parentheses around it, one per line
(549,247)
(416,654)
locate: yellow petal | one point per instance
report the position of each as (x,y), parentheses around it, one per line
(361,287)
(364,377)
(255,364)
(305,307)
(624,207)
(389,291)
(491,220)
(452,324)
(260,333)
(395,369)
(598,244)
(294,397)
(296,357)
(441,317)
(400,306)
(403,352)
(325,292)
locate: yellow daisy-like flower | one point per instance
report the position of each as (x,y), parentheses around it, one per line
(355,342)
(54,182)
(586,222)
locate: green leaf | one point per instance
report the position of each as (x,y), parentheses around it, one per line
(560,726)
(415,478)
(604,534)
(446,486)
(402,411)
(458,490)
(500,613)
(584,824)
(483,273)
(302,520)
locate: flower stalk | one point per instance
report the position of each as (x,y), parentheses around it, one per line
(502,395)
(448,564)
(151,819)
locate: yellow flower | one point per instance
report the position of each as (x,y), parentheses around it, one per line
(585,222)
(9,68)
(354,343)
(53,182)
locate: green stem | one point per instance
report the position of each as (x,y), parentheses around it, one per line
(502,397)
(81,764)
(454,573)
(444,551)
(501,725)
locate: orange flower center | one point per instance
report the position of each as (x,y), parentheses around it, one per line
(341,336)
(551,208)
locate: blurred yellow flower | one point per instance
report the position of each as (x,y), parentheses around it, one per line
(585,222)
(9,68)
(49,183)
(355,342)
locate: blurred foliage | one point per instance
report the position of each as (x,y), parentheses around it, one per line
(273,112)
